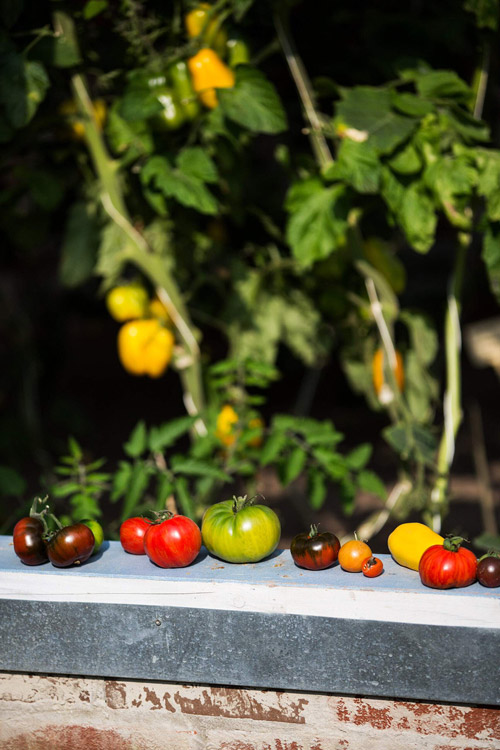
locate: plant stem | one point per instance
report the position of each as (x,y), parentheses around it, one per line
(305,91)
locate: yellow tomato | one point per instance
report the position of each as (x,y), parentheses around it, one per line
(208,73)
(408,542)
(224,429)
(353,554)
(69,110)
(127,302)
(158,310)
(145,347)
(382,388)
(198,21)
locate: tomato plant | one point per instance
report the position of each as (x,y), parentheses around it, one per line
(238,531)
(172,541)
(488,570)
(314,550)
(352,555)
(29,544)
(448,565)
(132,533)
(70,545)
(372,567)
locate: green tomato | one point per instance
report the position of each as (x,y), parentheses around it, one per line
(97,531)
(171,116)
(239,532)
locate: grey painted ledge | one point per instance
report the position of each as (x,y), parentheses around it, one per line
(264,625)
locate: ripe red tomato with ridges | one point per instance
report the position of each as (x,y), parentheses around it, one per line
(132,533)
(315,550)
(372,567)
(448,565)
(172,541)
(29,544)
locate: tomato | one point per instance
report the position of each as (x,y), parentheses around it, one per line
(382,387)
(171,115)
(132,532)
(145,347)
(488,570)
(315,551)
(238,531)
(29,544)
(172,541)
(352,555)
(75,123)
(228,427)
(448,565)
(372,567)
(97,531)
(70,545)
(127,302)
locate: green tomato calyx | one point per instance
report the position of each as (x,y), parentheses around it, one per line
(490,553)
(242,502)
(313,531)
(453,543)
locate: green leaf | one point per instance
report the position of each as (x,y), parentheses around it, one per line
(491,257)
(272,448)
(137,442)
(121,480)
(165,435)
(410,104)
(79,248)
(468,126)
(196,468)
(164,488)
(442,84)
(318,226)
(300,322)
(183,497)
(359,457)
(412,441)
(451,179)
(489,181)
(23,85)
(486,12)
(253,102)
(114,252)
(11,482)
(369,110)
(132,137)
(406,161)
(358,165)
(195,162)
(370,482)
(488,542)
(347,494)
(418,218)
(75,449)
(46,188)
(158,175)
(94,8)
(139,104)
(138,482)
(316,489)
(294,465)
(58,51)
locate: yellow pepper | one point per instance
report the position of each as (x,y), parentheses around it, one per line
(408,542)
(382,388)
(145,347)
(199,22)
(127,302)
(208,73)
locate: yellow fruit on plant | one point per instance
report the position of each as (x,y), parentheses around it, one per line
(209,72)
(127,302)
(224,428)
(145,347)
(69,110)
(382,388)
(158,310)
(408,542)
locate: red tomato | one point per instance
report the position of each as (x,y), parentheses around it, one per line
(372,567)
(132,532)
(448,565)
(315,551)
(29,544)
(70,545)
(174,542)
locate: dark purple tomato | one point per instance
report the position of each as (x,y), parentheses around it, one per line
(488,571)
(71,545)
(314,550)
(29,544)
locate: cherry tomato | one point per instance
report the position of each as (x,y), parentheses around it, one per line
(353,554)
(71,545)
(448,565)
(372,567)
(488,570)
(97,531)
(314,550)
(132,533)
(29,544)
(173,542)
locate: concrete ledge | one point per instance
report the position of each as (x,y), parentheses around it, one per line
(268,625)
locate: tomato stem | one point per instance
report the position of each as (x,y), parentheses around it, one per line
(313,531)
(453,543)
(242,502)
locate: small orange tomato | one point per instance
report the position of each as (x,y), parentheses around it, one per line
(353,554)
(372,567)
(382,388)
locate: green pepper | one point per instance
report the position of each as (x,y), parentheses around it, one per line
(172,115)
(183,89)
(237,52)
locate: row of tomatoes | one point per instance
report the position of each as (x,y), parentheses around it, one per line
(239,531)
